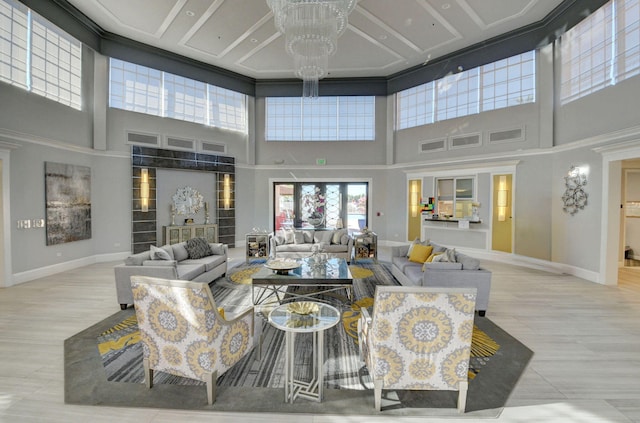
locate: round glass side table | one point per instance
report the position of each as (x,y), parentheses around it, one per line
(304,317)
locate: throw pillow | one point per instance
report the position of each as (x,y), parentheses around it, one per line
(451,255)
(327,236)
(198,248)
(337,236)
(440,258)
(298,237)
(431,257)
(437,248)
(180,251)
(344,240)
(414,243)
(289,237)
(420,253)
(308,237)
(159,254)
(217,249)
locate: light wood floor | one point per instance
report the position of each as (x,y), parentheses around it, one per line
(586,339)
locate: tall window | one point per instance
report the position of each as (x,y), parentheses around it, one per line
(416,105)
(38,56)
(185,99)
(509,82)
(321,119)
(146,90)
(601,50)
(458,95)
(320,205)
(135,88)
(504,83)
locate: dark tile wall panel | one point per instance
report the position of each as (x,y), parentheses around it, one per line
(143,224)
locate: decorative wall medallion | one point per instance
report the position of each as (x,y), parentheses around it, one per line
(187,201)
(574,197)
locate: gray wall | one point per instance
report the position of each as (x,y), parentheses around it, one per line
(43,130)
(168,181)
(605,111)
(120,121)
(407,141)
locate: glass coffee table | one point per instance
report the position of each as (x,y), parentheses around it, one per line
(320,277)
(304,317)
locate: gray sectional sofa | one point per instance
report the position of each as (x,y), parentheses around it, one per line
(176,261)
(299,243)
(464,272)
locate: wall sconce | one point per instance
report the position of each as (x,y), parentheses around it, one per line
(144,190)
(414,198)
(502,198)
(226,191)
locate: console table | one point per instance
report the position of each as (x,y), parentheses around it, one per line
(180,233)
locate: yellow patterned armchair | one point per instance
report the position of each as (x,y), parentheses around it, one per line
(183,333)
(419,338)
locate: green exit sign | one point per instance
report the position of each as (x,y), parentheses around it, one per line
(321,162)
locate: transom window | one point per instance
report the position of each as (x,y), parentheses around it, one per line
(347,118)
(505,83)
(38,56)
(601,50)
(146,90)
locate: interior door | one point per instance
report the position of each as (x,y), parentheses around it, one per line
(502,216)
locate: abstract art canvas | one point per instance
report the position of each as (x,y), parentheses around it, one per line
(68,199)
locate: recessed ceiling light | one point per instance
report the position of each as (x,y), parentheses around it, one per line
(446,6)
(254,40)
(190,13)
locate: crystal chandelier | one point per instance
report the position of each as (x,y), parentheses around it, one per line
(311,29)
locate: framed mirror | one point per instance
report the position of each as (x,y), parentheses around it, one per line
(187,201)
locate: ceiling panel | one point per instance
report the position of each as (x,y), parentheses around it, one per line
(136,15)
(232,22)
(493,12)
(384,36)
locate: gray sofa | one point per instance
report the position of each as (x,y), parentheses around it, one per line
(300,243)
(174,264)
(464,272)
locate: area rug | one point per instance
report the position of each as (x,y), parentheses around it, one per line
(256,385)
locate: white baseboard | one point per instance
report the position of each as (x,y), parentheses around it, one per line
(45,271)
(533,263)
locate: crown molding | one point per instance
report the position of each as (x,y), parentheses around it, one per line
(52,143)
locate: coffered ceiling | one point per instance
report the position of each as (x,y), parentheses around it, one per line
(384,37)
